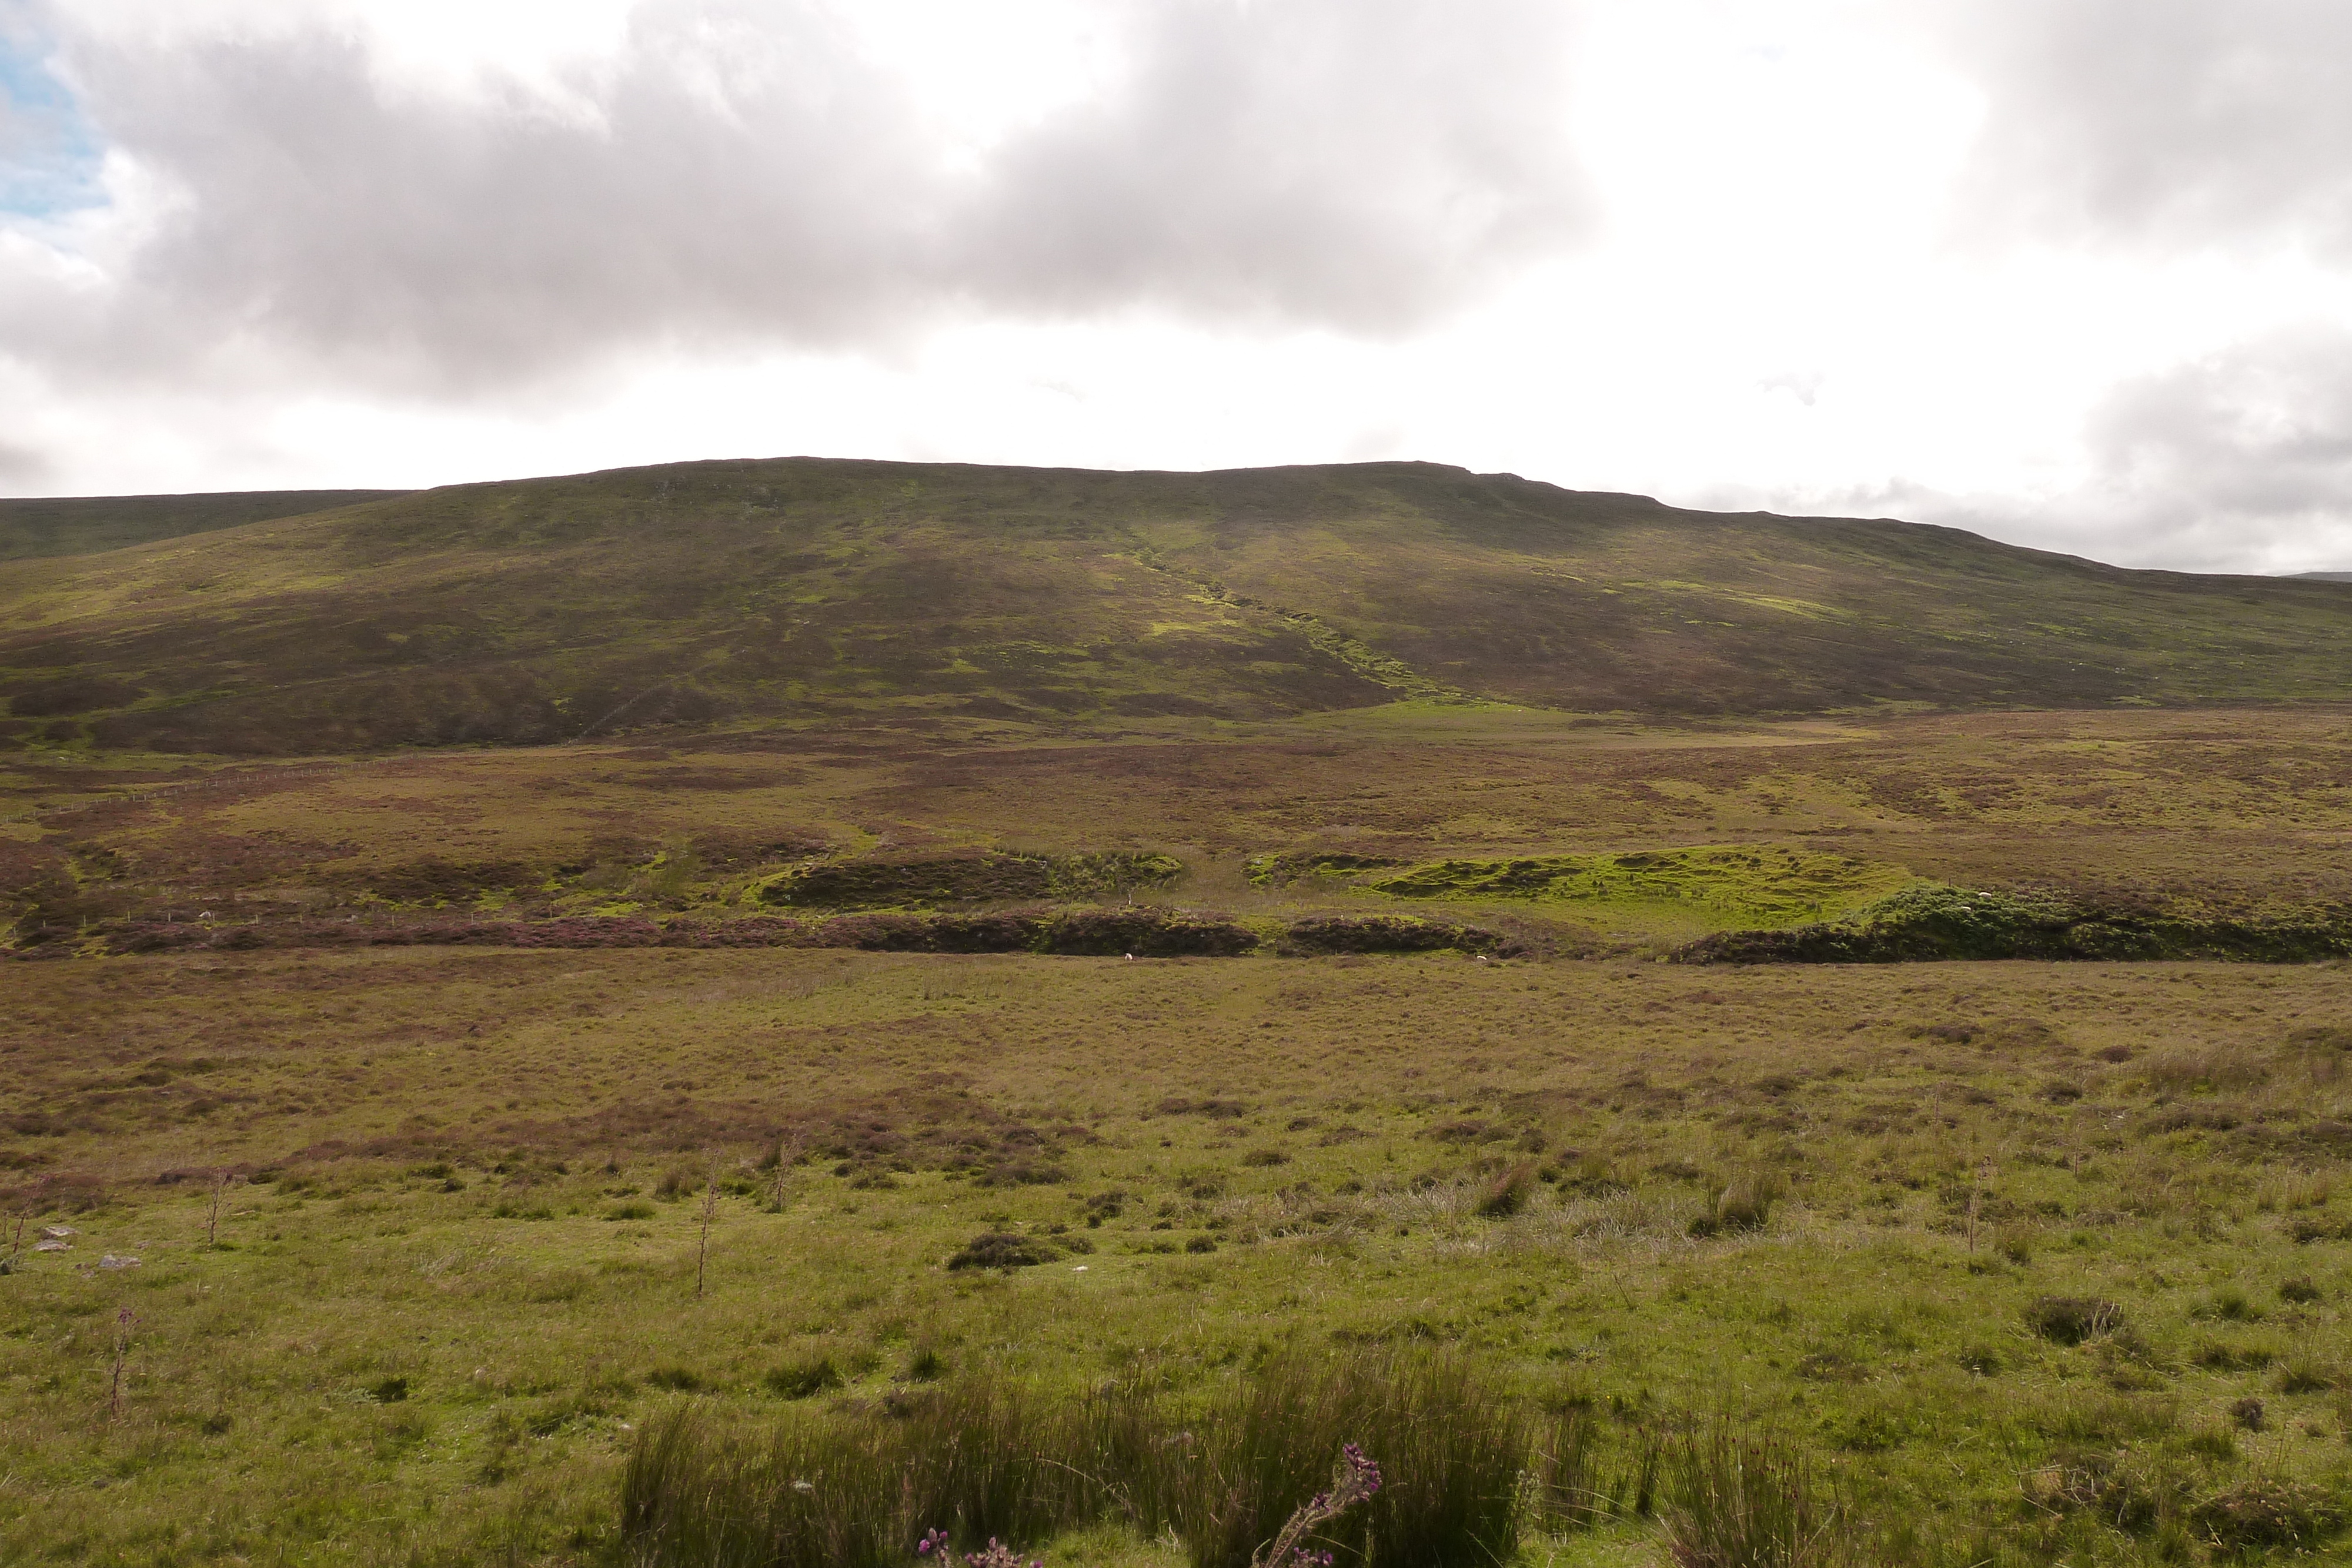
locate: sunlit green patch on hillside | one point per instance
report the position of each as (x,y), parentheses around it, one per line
(1762,887)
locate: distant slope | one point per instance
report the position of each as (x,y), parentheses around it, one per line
(2324,575)
(817,589)
(85,524)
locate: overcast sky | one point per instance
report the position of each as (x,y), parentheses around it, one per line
(2074,273)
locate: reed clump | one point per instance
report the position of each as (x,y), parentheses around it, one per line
(1467,1468)
(856,1489)
(1737,1499)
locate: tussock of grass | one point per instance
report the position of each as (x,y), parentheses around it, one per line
(2072,1320)
(1451,1447)
(982,1461)
(2269,1511)
(1581,1482)
(1508,1193)
(803,1378)
(1739,1500)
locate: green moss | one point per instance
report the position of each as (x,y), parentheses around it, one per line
(899,882)
(1278,870)
(1103,876)
(1936,921)
(1763,885)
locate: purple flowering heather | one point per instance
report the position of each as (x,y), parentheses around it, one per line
(1353,1480)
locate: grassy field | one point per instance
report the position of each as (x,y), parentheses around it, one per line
(460,1270)
(377,1187)
(453,1277)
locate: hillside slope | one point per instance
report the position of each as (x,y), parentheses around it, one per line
(88,525)
(805,589)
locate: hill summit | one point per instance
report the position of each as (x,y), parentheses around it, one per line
(820,590)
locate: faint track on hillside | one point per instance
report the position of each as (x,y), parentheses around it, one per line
(1358,656)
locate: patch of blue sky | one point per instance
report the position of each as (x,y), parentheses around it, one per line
(50,153)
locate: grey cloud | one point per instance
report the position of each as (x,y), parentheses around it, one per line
(2161,122)
(743,176)
(2254,443)
(2238,462)
(21,467)
(1359,164)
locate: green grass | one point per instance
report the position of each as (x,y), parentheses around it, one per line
(982,1460)
(91,525)
(435,1142)
(1745,886)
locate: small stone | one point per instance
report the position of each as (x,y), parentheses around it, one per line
(51,1246)
(111,1261)
(58,1232)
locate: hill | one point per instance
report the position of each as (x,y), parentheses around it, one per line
(805,589)
(88,524)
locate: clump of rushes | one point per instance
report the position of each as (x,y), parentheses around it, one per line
(1742,1500)
(1508,1193)
(1354,1479)
(1577,1489)
(982,1461)
(1454,1444)
(1743,1205)
(2072,1320)
(804,1378)
(2267,1512)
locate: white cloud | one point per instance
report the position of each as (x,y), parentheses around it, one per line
(730,176)
(2076,271)
(2239,460)
(2158,123)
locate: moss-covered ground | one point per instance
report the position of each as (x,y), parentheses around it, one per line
(1758,886)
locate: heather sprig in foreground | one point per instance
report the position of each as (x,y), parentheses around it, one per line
(1353,1480)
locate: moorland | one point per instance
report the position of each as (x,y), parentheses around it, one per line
(545,1016)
